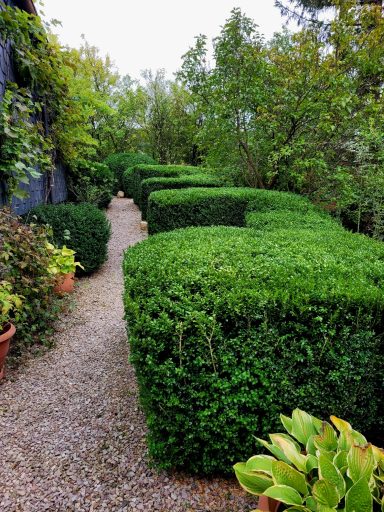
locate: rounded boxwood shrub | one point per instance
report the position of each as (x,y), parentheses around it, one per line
(269,221)
(195,180)
(81,227)
(229,327)
(120,162)
(142,172)
(171,209)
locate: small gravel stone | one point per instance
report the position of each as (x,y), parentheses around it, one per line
(72,435)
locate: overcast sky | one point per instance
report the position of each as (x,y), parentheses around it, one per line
(151,34)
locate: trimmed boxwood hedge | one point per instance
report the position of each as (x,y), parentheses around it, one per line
(195,180)
(120,162)
(89,231)
(171,209)
(133,178)
(268,221)
(229,327)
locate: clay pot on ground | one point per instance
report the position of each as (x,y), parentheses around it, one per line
(65,283)
(268,504)
(6,335)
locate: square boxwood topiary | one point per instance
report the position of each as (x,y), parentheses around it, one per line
(172,209)
(141,172)
(228,327)
(119,163)
(88,228)
(195,180)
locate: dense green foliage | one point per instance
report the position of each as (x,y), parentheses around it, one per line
(119,163)
(24,261)
(81,227)
(228,327)
(195,180)
(143,172)
(302,112)
(91,182)
(271,220)
(209,206)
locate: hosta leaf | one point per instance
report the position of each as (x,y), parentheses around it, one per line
(327,439)
(290,449)
(283,474)
(340,459)
(328,471)
(359,497)
(310,446)
(279,454)
(252,482)
(285,494)
(310,502)
(287,423)
(312,463)
(378,453)
(340,424)
(260,463)
(361,462)
(325,493)
(302,426)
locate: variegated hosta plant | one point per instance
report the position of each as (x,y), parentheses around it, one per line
(315,468)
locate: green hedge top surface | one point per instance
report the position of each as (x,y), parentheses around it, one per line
(171,209)
(272,220)
(120,162)
(134,177)
(195,180)
(229,327)
(87,227)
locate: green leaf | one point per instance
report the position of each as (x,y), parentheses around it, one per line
(279,454)
(283,474)
(252,482)
(359,497)
(361,462)
(303,426)
(287,423)
(312,463)
(290,449)
(327,439)
(340,459)
(260,463)
(328,471)
(325,493)
(285,494)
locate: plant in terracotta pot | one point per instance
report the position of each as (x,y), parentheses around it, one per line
(315,468)
(9,304)
(63,266)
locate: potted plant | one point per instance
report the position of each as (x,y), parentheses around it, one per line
(9,303)
(315,468)
(63,266)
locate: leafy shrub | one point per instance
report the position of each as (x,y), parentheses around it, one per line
(24,261)
(196,180)
(315,466)
(89,230)
(120,162)
(229,327)
(91,182)
(143,172)
(210,206)
(268,221)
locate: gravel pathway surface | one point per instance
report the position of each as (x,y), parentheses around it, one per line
(72,435)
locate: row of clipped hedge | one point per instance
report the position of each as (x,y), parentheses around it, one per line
(229,326)
(169,209)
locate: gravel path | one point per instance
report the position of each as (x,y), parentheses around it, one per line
(72,435)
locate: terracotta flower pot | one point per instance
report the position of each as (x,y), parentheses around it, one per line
(268,504)
(5,338)
(65,283)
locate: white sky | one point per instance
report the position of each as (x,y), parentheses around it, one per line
(151,34)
